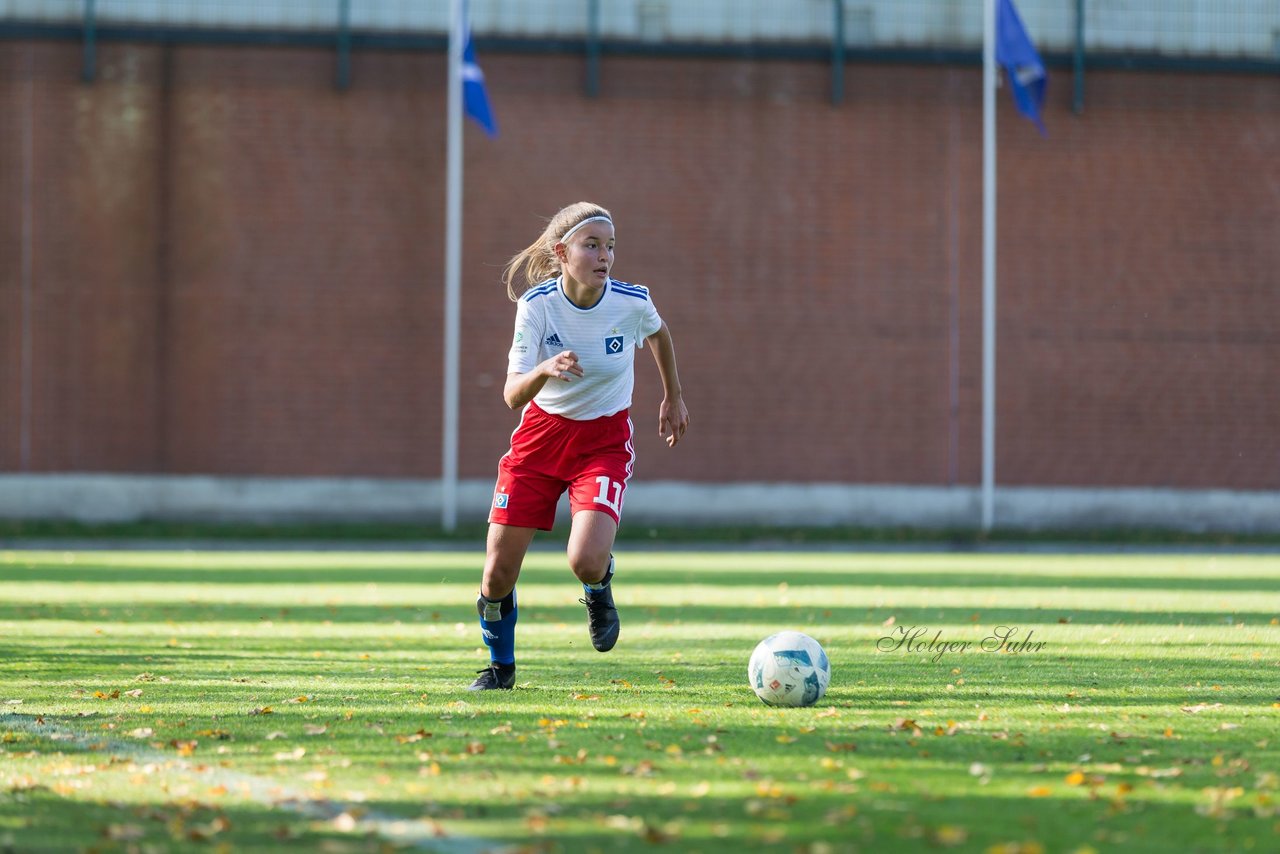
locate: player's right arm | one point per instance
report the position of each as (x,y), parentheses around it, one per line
(526,375)
(522,388)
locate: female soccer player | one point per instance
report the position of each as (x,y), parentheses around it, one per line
(572,368)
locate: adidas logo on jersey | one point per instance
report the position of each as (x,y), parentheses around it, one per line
(553,340)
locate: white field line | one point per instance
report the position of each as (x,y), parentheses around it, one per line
(426,835)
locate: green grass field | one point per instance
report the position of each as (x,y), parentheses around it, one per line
(235,701)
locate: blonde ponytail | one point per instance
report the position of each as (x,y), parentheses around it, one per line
(538,261)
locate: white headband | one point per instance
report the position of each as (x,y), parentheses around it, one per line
(569,233)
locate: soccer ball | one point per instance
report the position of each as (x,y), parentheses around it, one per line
(789,669)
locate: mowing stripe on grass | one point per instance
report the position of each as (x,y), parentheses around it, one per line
(429,836)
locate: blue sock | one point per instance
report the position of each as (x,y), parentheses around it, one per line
(602,583)
(498,625)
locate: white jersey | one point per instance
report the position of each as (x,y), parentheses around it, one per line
(605,337)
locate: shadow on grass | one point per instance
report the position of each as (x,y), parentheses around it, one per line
(778,802)
(863,681)
(426,612)
(796,577)
(38,820)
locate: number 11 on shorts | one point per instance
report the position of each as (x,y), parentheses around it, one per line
(603,498)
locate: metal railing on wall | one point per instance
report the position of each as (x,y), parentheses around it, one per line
(848,39)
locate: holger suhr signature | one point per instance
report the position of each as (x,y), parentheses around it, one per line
(917,639)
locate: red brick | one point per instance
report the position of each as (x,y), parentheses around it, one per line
(237,269)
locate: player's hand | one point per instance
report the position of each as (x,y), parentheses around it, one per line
(673,420)
(561,366)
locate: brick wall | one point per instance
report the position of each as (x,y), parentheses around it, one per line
(232,268)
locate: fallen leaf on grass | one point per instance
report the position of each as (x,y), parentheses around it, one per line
(184,748)
(136,692)
(655,835)
(577,759)
(263,710)
(101,695)
(644,768)
(1200,707)
(622,822)
(1161,772)
(1016,848)
(314,729)
(205,832)
(907,725)
(123,832)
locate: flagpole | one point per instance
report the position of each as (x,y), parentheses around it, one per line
(988,261)
(452,270)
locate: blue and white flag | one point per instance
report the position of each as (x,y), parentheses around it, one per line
(475,98)
(1022,65)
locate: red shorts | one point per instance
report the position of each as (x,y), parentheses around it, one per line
(551,453)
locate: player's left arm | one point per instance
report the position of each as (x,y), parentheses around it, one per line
(673,416)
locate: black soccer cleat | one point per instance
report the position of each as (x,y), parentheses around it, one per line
(602,618)
(495,677)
